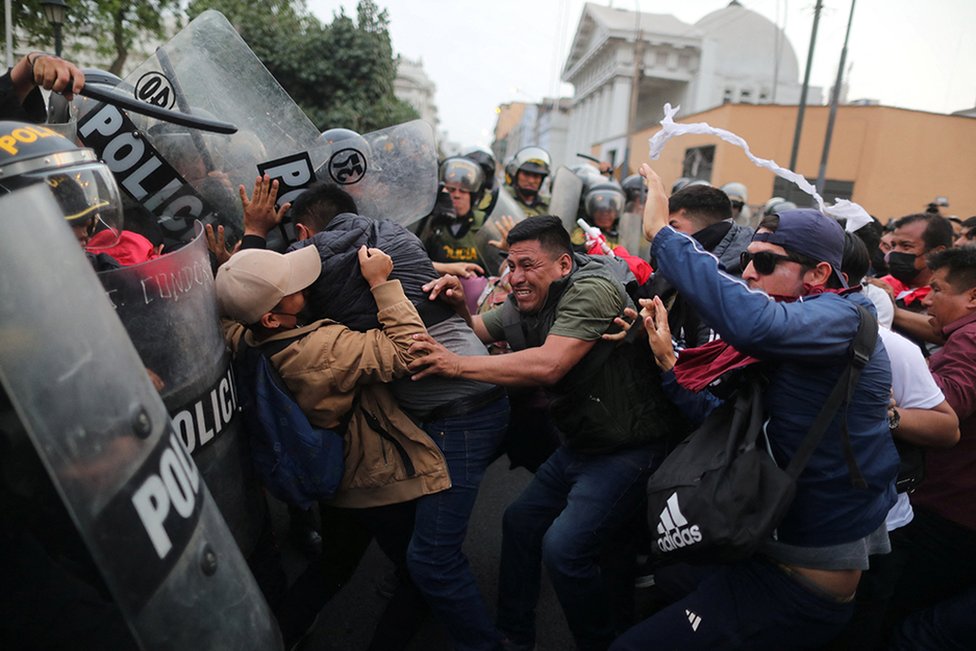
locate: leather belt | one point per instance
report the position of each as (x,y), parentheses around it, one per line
(466,405)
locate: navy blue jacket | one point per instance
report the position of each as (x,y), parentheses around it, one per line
(809,344)
(342,294)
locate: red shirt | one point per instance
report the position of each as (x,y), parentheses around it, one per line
(949,488)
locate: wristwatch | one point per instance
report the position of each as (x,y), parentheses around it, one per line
(894,418)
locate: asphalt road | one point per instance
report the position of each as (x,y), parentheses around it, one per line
(347,622)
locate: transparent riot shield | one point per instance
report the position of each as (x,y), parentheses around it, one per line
(505,206)
(631,230)
(180,174)
(168,306)
(564,201)
(391,173)
(111,451)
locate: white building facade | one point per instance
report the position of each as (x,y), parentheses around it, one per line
(731,55)
(413,86)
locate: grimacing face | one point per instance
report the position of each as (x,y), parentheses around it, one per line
(945,303)
(531,271)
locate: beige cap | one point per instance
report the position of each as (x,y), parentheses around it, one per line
(253,281)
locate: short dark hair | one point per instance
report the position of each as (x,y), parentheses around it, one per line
(856,261)
(703,202)
(545,229)
(316,207)
(961,264)
(937,233)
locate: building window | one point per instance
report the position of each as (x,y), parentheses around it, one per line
(764,95)
(745,96)
(612,157)
(698,163)
(833,190)
(727,96)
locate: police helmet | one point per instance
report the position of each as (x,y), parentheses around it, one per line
(463,173)
(736,192)
(534,160)
(602,197)
(777,204)
(635,190)
(483,157)
(84,188)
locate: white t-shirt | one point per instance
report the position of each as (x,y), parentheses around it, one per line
(913,388)
(882,303)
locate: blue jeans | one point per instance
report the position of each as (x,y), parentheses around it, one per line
(434,557)
(574,503)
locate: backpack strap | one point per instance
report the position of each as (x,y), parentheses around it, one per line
(271,348)
(861,349)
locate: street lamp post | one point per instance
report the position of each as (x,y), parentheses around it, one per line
(54,12)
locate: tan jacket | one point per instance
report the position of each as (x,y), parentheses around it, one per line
(332,370)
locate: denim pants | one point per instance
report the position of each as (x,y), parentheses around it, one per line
(438,566)
(751,605)
(563,517)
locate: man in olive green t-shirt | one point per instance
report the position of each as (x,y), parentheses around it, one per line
(559,308)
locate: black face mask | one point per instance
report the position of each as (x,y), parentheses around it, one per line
(902,266)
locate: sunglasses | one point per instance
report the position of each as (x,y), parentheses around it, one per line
(737,204)
(763,262)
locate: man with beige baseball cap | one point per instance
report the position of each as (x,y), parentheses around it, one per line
(255,281)
(336,375)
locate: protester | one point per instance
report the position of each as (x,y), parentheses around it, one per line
(797,592)
(335,375)
(939,541)
(608,406)
(704,213)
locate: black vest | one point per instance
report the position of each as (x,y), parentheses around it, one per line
(612,398)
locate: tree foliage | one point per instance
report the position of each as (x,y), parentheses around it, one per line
(107,27)
(340,73)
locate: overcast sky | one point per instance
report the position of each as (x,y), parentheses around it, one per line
(481,53)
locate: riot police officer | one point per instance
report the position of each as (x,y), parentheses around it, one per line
(451,238)
(83,187)
(524,175)
(603,204)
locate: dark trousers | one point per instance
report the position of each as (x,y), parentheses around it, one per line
(947,626)
(940,562)
(752,605)
(346,534)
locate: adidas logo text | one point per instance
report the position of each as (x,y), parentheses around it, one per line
(674,530)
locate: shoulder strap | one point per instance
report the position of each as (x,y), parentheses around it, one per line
(270,348)
(863,346)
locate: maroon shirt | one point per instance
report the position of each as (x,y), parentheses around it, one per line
(949,488)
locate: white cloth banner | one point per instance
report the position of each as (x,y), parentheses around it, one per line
(855,215)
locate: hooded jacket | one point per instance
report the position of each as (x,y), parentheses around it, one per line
(342,294)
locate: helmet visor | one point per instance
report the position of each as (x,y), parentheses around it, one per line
(462,173)
(603,200)
(89,198)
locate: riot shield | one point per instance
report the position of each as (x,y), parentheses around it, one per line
(564,201)
(111,451)
(505,206)
(391,173)
(181,174)
(168,306)
(631,232)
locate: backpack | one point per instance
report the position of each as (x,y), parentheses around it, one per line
(720,493)
(297,462)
